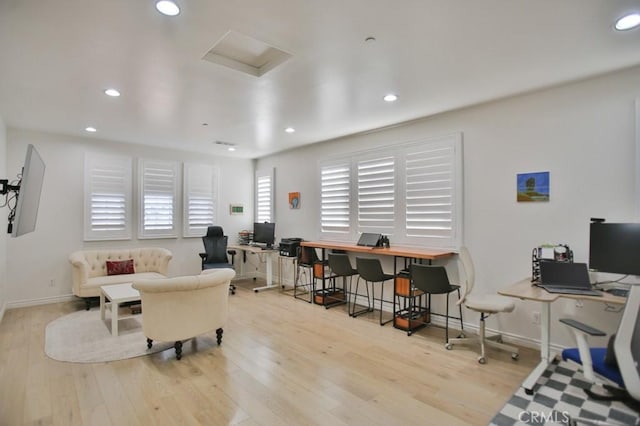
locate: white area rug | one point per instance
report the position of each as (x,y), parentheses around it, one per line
(83,337)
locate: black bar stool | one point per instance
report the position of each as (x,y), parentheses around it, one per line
(434,280)
(306,258)
(370,270)
(340,266)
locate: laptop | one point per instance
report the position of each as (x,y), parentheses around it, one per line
(368,239)
(566,278)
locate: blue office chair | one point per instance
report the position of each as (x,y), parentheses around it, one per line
(618,362)
(216,253)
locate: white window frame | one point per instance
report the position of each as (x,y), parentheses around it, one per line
(335,199)
(200,198)
(107,197)
(264,195)
(440,235)
(437,207)
(375,179)
(170,183)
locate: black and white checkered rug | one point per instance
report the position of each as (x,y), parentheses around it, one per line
(559,399)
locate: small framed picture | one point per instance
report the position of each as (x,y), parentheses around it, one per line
(533,187)
(294,200)
(236,209)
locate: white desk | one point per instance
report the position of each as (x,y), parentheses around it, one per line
(526,291)
(265,256)
(117,294)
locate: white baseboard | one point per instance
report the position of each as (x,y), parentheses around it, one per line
(3,308)
(41,301)
(474,328)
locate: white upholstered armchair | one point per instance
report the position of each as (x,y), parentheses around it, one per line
(178,309)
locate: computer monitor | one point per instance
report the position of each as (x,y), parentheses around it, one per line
(615,248)
(264,233)
(627,343)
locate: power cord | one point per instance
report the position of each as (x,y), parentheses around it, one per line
(11,199)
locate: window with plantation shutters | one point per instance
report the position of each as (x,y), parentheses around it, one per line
(157,181)
(376,194)
(429,191)
(107,209)
(335,197)
(264,195)
(410,192)
(200,183)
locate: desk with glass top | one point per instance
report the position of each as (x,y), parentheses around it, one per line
(525,290)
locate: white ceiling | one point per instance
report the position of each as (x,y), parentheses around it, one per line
(57,57)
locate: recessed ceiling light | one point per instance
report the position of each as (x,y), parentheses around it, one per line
(167,7)
(112,92)
(289,130)
(91,129)
(231,148)
(628,22)
(390,97)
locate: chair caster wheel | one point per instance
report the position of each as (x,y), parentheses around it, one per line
(482,360)
(514,356)
(528,391)
(448,346)
(499,340)
(255,291)
(461,336)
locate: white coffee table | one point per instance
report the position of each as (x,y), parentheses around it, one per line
(117,295)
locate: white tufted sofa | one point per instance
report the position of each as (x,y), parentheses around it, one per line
(89,268)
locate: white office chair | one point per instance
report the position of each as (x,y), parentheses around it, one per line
(486,305)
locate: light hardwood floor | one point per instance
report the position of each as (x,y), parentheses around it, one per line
(282,361)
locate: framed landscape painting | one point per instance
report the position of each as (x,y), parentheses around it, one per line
(533,186)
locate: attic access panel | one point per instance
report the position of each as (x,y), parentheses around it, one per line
(245,54)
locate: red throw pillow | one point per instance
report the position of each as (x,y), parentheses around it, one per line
(119,267)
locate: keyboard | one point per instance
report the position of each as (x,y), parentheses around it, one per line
(578,291)
(621,292)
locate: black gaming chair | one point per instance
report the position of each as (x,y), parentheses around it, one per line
(216,256)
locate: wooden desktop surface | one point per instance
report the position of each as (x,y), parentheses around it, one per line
(410,252)
(524,289)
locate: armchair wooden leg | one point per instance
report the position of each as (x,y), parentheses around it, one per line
(178,346)
(219,335)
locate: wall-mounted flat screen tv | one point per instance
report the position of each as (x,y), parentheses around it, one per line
(28,195)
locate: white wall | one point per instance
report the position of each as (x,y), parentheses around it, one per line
(4,211)
(33,260)
(582,133)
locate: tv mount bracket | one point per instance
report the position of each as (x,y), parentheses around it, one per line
(5,187)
